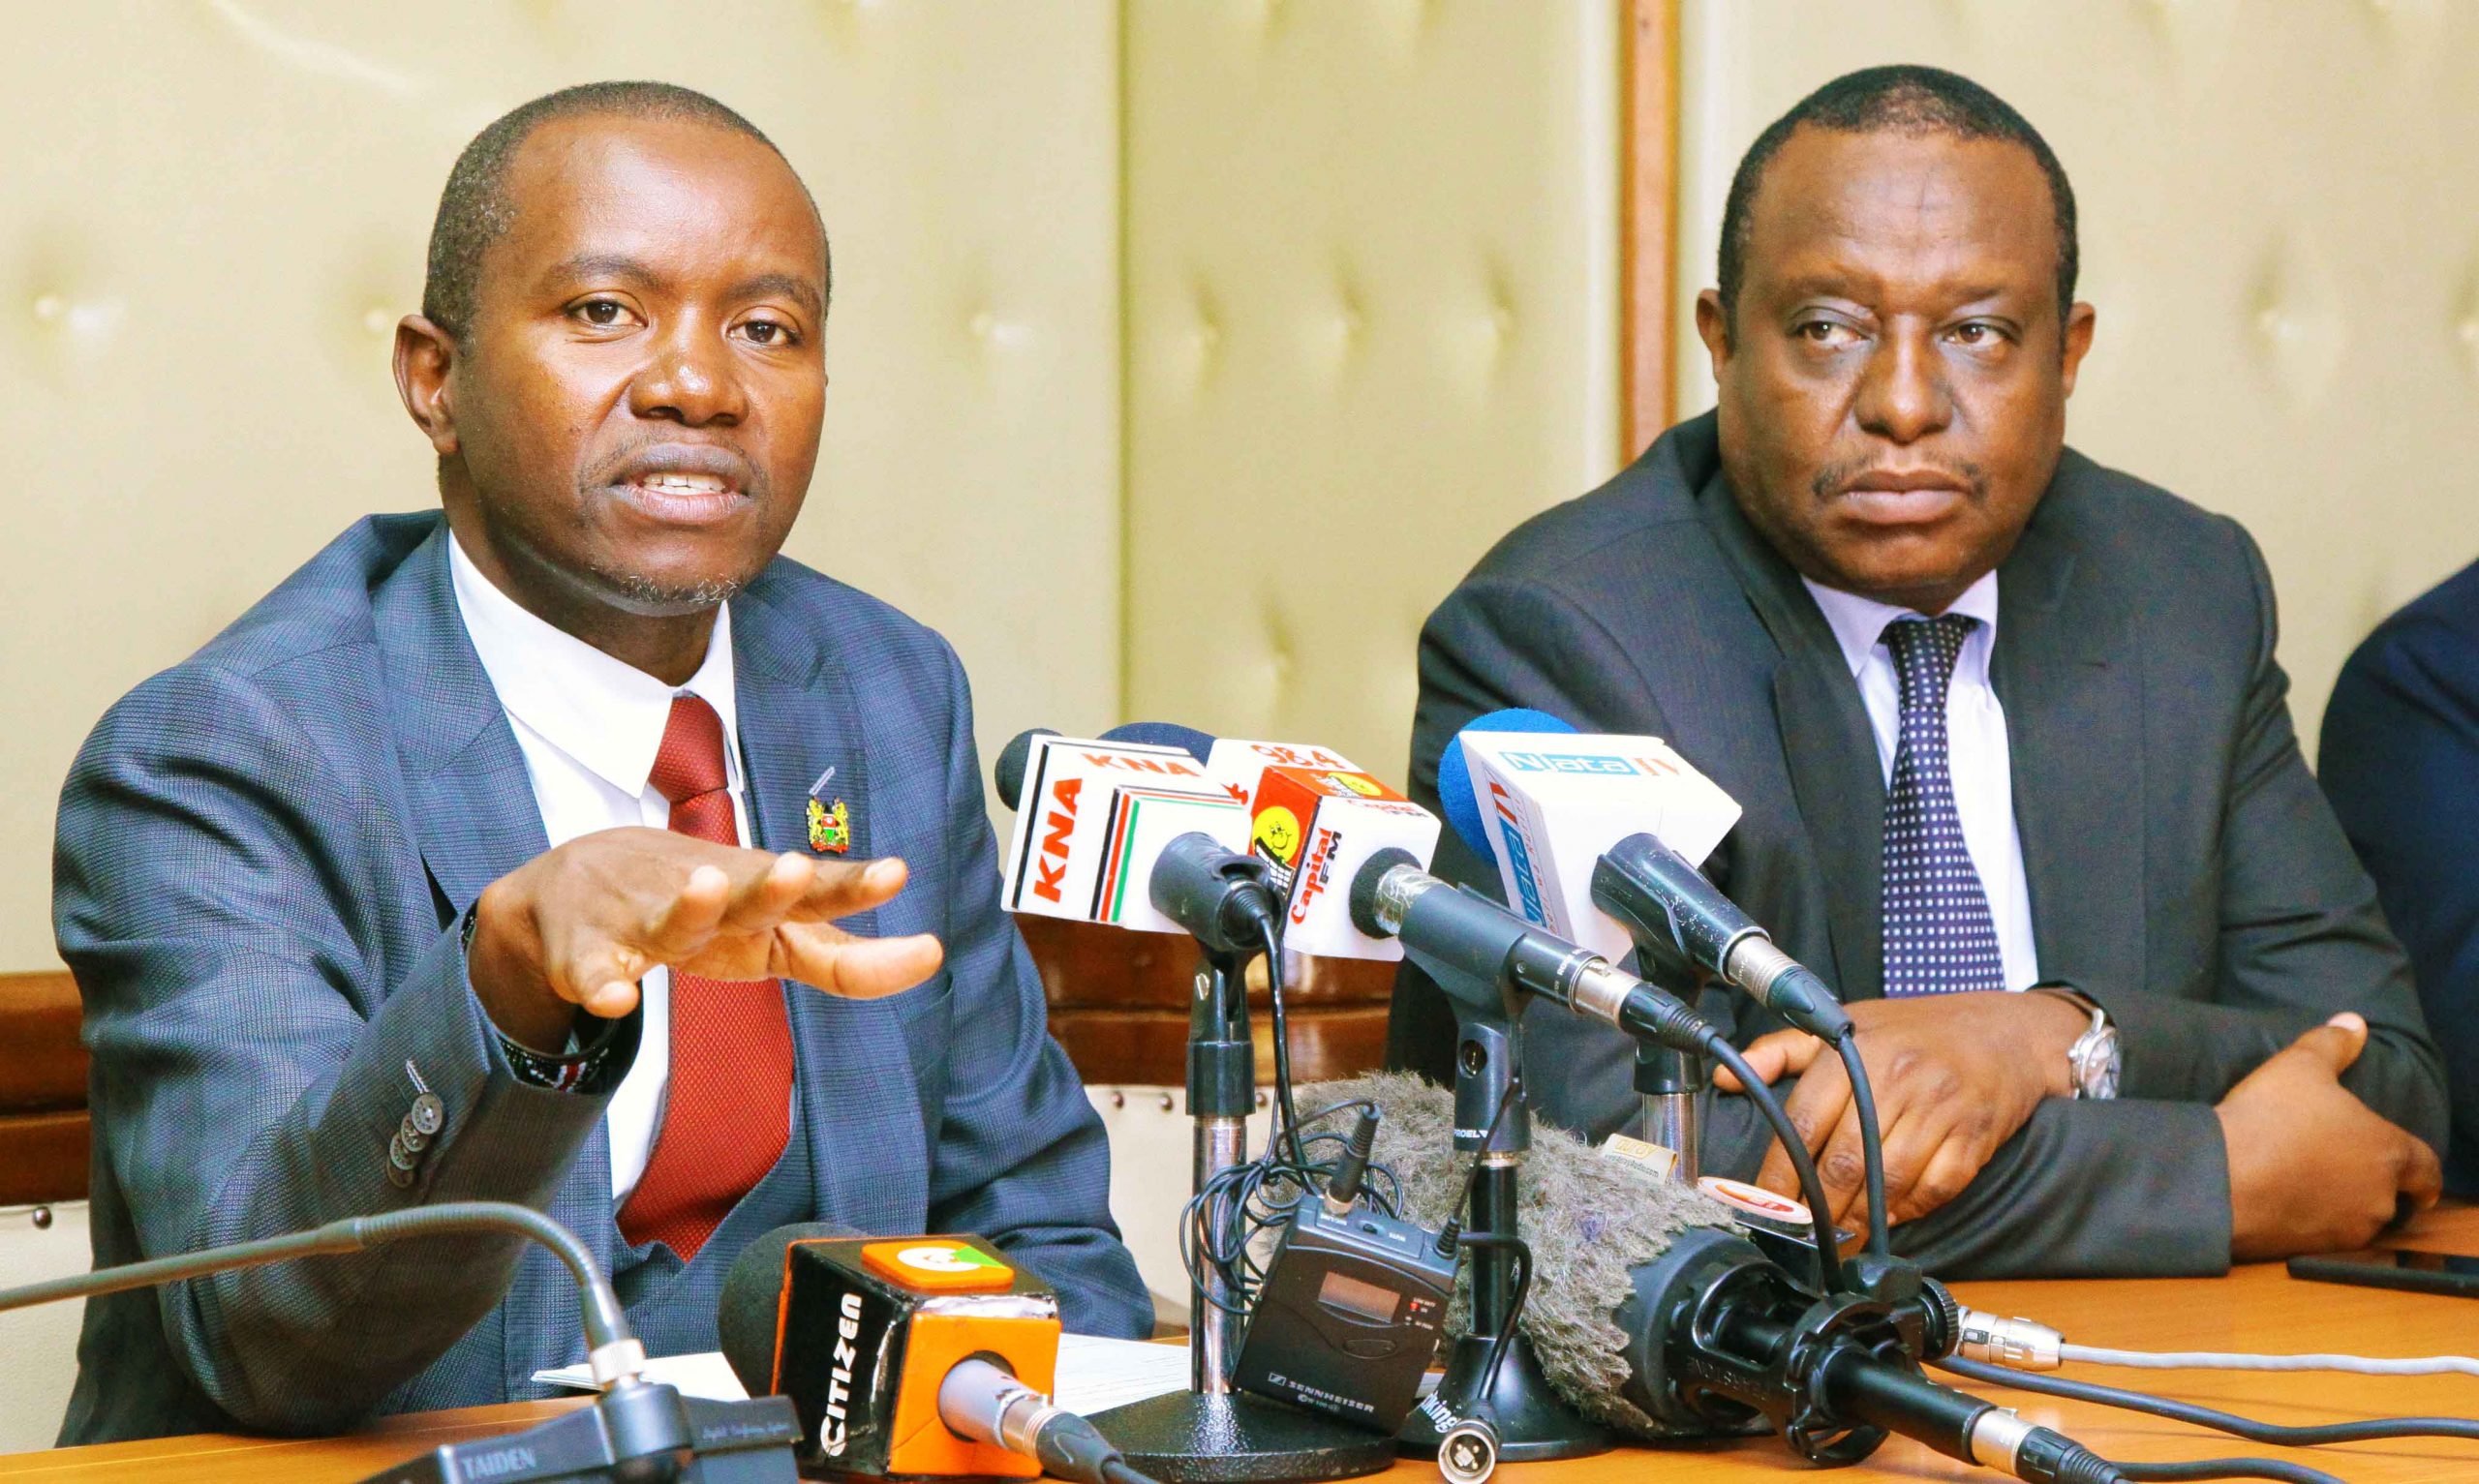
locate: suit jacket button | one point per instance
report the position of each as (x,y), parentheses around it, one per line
(409,1138)
(400,1179)
(401,1158)
(428,1115)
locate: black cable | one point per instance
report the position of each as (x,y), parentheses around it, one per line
(1872,1146)
(1802,1163)
(2247,1427)
(1270,931)
(1239,1203)
(2228,1469)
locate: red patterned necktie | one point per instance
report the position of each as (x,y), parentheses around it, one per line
(729,1111)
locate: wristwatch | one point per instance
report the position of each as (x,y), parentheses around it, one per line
(2093,1061)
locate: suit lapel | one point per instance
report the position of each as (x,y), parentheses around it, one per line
(798,717)
(1826,744)
(473,811)
(475,819)
(2073,699)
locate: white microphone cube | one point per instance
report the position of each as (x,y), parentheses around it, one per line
(1238,766)
(1317,827)
(1553,803)
(1094,819)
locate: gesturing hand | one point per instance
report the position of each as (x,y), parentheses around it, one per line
(579,925)
(2311,1169)
(1954,1075)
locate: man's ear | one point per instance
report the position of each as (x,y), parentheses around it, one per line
(424,355)
(1713,327)
(2080,320)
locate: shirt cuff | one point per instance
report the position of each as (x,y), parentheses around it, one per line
(587,1067)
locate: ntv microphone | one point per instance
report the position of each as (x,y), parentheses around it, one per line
(908,1357)
(1654,1312)
(1596,837)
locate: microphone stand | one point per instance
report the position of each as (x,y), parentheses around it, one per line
(1493,1122)
(636,1430)
(1210,1434)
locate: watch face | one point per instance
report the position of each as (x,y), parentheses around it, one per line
(2095,1063)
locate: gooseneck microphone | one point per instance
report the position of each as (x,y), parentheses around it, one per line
(635,1430)
(1678,917)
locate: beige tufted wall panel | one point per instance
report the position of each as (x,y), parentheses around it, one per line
(1372,325)
(214,211)
(2277,228)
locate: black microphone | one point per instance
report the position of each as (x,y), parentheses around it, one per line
(1678,917)
(1219,895)
(1489,958)
(1008,773)
(1650,1312)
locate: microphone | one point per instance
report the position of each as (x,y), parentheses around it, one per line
(1546,800)
(1489,958)
(1663,905)
(635,1430)
(1093,818)
(1682,922)
(1314,819)
(1008,773)
(910,1355)
(1650,1312)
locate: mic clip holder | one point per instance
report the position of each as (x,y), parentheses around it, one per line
(1672,1081)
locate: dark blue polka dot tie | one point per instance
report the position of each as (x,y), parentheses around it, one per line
(1939,938)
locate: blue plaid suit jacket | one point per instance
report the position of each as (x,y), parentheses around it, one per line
(262,856)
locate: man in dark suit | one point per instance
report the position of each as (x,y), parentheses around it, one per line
(1999,720)
(426,880)
(2400,760)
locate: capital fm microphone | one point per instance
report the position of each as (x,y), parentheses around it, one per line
(1651,1312)
(907,1356)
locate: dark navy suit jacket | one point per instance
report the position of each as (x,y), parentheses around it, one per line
(2183,871)
(263,859)
(2400,763)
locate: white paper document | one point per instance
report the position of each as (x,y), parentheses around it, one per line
(1095,1373)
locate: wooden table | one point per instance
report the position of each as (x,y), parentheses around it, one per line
(2258,1307)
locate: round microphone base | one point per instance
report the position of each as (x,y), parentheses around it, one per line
(1187,1438)
(1531,1422)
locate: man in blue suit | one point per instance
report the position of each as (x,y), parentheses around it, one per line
(2400,763)
(426,880)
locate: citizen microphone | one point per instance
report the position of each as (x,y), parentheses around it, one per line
(1349,1315)
(907,1356)
(1652,1312)
(635,1430)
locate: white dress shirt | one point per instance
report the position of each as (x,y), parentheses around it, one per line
(1978,754)
(588,726)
